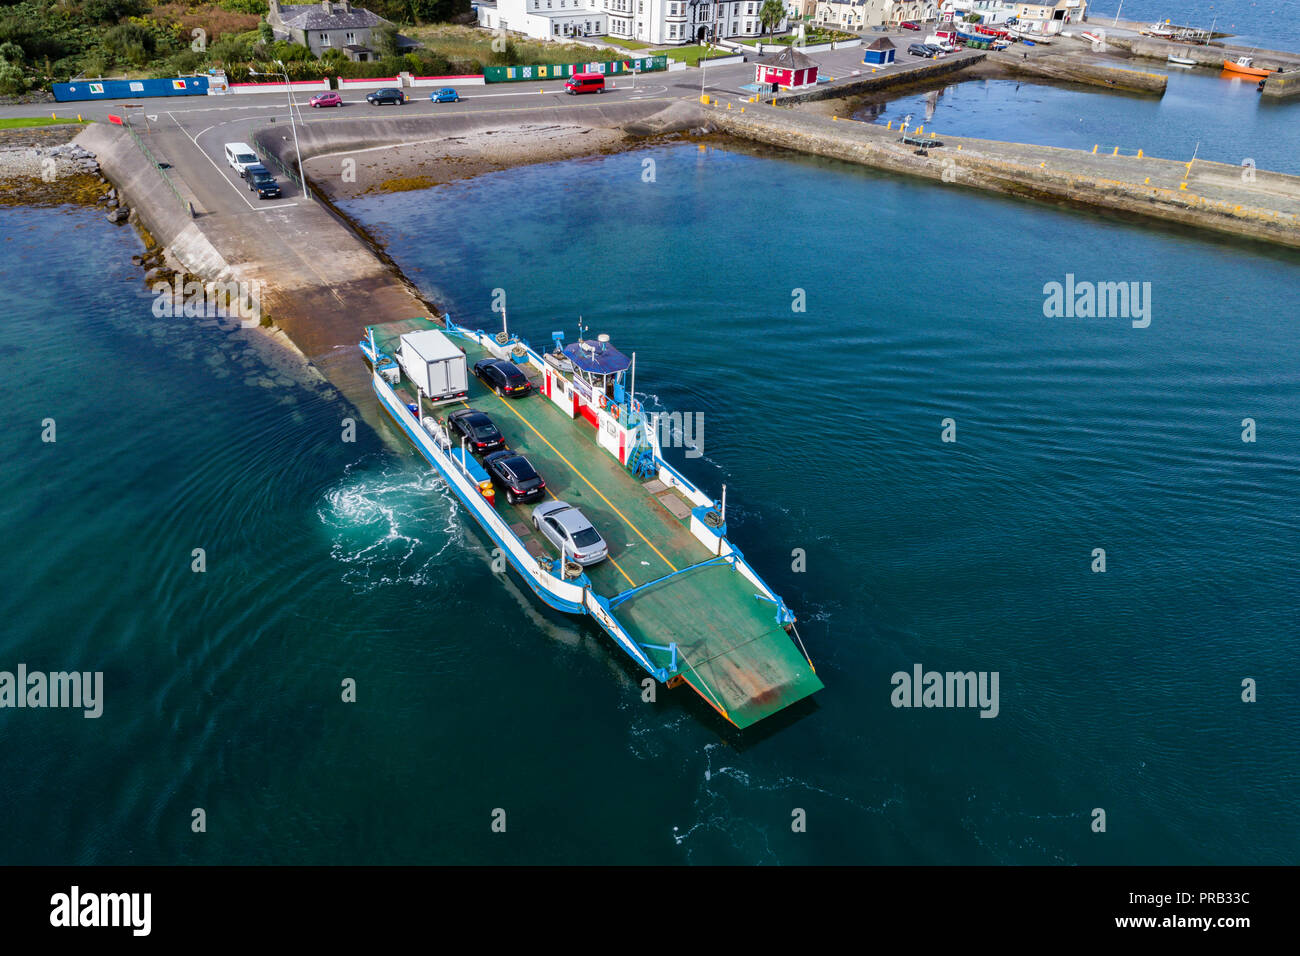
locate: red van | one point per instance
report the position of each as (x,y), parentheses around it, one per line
(585,83)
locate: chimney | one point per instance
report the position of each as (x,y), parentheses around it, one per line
(327,7)
(347,6)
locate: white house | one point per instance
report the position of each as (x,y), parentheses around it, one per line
(1050,16)
(991,12)
(661,22)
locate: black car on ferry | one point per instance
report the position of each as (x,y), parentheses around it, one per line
(479,431)
(504,378)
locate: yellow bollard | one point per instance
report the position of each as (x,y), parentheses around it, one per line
(1116,153)
(1182,185)
(959,147)
(728,104)
(889,125)
(932,134)
(1042,165)
(742,109)
(1094,149)
(920,130)
(835,119)
(1147,181)
(52,116)
(79,119)
(704,98)
(1139,154)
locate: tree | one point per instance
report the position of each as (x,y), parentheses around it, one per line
(265,33)
(111,11)
(384,40)
(770,15)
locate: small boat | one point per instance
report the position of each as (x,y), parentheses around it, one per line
(1092,37)
(1181,60)
(1242,65)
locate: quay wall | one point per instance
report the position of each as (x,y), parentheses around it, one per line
(1071,69)
(870,82)
(1215,197)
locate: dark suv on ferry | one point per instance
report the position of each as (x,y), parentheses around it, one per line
(517,475)
(504,378)
(480,432)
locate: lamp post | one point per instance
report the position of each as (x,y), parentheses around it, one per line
(302,180)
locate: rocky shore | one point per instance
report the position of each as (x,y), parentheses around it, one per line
(41,166)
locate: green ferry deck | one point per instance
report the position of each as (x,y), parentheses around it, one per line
(729,645)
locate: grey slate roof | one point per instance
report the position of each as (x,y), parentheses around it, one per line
(789,58)
(881,44)
(312,16)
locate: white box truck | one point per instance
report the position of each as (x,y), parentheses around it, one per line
(434,363)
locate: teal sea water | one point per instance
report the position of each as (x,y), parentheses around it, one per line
(329,560)
(1270,24)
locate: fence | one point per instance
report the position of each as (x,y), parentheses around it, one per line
(552,71)
(189,209)
(287,168)
(116,89)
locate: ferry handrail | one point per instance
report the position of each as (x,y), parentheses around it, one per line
(622,596)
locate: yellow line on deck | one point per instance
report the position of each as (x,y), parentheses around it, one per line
(553,498)
(589,484)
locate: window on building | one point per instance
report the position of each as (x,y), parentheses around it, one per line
(324,39)
(352,37)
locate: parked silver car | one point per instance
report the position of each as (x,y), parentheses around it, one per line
(571,532)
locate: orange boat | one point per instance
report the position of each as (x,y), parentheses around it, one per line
(1242,65)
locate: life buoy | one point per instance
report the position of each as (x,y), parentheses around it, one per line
(600,401)
(615,413)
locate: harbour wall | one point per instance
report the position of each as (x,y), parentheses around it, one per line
(1072,69)
(1228,199)
(1153,48)
(872,82)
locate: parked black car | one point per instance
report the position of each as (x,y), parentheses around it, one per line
(920,49)
(480,432)
(504,378)
(390,95)
(262,182)
(516,474)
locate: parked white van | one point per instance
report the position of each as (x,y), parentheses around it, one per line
(240,156)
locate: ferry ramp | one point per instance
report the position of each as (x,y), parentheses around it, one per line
(730,648)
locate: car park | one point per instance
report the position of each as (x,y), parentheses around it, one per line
(516,474)
(479,431)
(569,530)
(504,378)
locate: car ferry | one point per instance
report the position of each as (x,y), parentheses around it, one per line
(602,525)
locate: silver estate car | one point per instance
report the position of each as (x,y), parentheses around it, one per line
(570,531)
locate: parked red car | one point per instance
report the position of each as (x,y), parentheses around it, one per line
(910,25)
(326,99)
